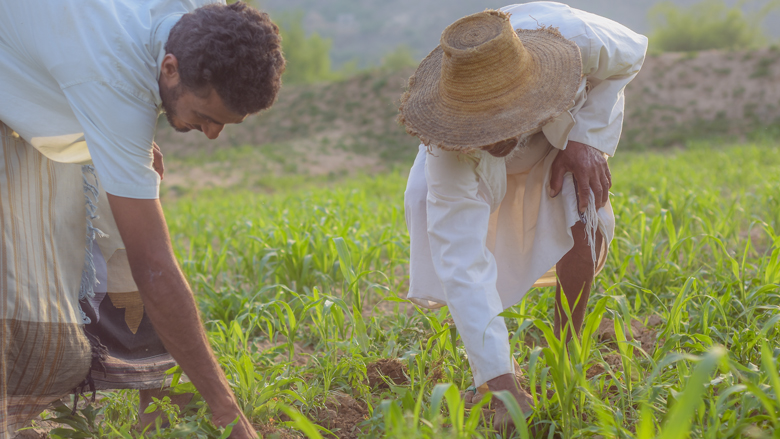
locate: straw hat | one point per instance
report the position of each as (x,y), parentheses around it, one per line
(487,83)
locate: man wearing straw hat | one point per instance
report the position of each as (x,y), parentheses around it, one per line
(517,111)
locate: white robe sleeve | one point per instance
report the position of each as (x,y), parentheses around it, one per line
(611,58)
(458,218)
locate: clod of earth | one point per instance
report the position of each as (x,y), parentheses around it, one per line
(392,368)
(270,431)
(342,414)
(645,335)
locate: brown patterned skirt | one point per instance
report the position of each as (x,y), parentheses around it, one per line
(44,353)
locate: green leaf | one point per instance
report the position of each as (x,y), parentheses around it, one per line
(679,420)
(518,417)
(303,424)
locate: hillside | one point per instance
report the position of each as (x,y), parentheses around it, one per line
(368,29)
(340,127)
(679,96)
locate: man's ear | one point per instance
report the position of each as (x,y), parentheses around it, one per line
(169,70)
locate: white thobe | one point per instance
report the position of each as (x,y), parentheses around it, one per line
(484,230)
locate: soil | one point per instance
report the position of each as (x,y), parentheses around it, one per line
(534,340)
(197,177)
(391,369)
(614,361)
(342,415)
(644,334)
(271,431)
(40,430)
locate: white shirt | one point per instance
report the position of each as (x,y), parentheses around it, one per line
(78,81)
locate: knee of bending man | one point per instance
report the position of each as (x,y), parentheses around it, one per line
(581,251)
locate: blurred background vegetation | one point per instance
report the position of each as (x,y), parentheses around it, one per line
(348,64)
(326,41)
(710,24)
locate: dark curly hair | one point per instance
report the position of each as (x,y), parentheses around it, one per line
(235,49)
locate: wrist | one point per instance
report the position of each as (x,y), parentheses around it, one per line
(574,145)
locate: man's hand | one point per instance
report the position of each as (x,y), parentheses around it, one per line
(170,305)
(590,170)
(157,164)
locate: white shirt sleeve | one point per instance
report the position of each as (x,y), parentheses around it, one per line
(119,130)
(611,58)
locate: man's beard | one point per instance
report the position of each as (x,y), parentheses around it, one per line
(169,98)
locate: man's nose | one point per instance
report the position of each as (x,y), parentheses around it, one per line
(212,130)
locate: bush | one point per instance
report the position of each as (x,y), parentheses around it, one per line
(400,58)
(308,57)
(709,24)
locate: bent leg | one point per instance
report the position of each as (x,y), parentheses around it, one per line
(576,270)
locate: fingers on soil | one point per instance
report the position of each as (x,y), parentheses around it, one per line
(392,369)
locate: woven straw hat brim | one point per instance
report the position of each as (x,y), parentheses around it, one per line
(547,89)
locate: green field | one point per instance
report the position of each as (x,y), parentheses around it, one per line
(302,293)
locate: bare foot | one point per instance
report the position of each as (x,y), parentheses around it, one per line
(502,420)
(145,398)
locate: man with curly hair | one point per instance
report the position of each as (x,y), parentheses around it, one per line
(81,87)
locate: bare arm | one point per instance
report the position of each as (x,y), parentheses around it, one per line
(171,307)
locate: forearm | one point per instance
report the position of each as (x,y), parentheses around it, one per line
(170,305)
